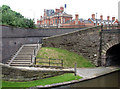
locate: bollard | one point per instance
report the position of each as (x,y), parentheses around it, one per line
(75,69)
(35,60)
(49,61)
(62,63)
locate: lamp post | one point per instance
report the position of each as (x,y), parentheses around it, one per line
(96,18)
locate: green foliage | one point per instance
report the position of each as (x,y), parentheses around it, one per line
(69,58)
(52,80)
(12,18)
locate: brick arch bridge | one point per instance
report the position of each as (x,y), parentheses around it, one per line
(104,50)
(92,43)
(109,38)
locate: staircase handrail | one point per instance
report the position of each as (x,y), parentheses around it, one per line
(35,51)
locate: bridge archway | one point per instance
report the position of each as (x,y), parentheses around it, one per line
(111,54)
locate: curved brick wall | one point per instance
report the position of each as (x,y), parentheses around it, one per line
(27,74)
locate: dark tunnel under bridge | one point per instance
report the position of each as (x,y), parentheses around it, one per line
(113,56)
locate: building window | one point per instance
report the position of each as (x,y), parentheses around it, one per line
(47,22)
(56,21)
(44,22)
(59,21)
(53,21)
(63,20)
(76,22)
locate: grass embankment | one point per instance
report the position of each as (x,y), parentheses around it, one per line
(69,58)
(47,81)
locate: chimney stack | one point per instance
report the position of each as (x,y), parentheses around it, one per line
(113,18)
(41,17)
(57,10)
(61,9)
(93,16)
(101,17)
(76,17)
(108,18)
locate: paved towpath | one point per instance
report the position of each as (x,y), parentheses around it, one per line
(94,72)
(86,73)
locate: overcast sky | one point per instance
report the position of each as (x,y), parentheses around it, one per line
(35,8)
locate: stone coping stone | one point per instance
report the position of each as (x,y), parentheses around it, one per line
(38,69)
(84,29)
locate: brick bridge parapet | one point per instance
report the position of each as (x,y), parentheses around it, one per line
(109,39)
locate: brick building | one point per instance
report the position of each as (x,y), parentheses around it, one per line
(101,21)
(60,19)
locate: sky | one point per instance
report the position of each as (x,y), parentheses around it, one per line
(35,8)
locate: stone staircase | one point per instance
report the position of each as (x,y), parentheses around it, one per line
(25,56)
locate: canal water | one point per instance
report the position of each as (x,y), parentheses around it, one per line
(109,81)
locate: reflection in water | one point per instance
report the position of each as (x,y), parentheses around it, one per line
(110,80)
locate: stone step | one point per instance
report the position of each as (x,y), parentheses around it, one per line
(30,44)
(28,47)
(26,51)
(18,60)
(23,65)
(22,62)
(22,59)
(28,60)
(19,64)
(23,56)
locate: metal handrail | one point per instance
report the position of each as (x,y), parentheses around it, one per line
(35,53)
(49,62)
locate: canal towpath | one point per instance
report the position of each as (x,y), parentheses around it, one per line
(87,74)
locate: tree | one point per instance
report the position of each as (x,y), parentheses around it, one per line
(13,18)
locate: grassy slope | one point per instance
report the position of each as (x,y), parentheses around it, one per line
(69,58)
(56,79)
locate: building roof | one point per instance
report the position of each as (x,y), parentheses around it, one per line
(102,21)
(87,21)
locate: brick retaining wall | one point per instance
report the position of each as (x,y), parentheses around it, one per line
(84,42)
(27,74)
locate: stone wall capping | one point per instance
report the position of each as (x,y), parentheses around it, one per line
(83,29)
(10,73)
